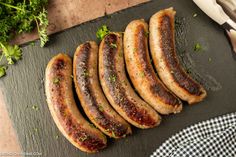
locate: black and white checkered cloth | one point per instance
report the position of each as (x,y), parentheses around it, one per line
(212,138)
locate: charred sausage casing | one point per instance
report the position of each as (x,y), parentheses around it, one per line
(90,94)
(141,72)
(117,87)
(162,45)
(58,86)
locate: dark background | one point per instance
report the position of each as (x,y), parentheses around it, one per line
(214,66)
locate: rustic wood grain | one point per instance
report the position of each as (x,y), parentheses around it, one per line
(66,14)
(9,140)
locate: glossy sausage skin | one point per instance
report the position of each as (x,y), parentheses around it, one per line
(58,86)
(162,44)
(141,72)
(117,87)
(90,94)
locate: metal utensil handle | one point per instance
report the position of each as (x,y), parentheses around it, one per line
(229,6)
(213,10)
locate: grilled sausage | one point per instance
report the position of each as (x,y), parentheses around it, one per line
(90,93)
(58,86)
(117,87)
(162,44)
(141,72)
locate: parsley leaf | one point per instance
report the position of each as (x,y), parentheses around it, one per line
(100,108)
(112,78)
(195,15)
(112,45)
(3,70)
(146,34)
(17,17)
(42,23)
(197,47)
(12,53)
(56,80)
(56,137)
(102,32)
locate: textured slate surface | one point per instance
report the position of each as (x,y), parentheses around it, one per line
(23,87)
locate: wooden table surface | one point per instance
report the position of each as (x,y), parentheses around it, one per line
(62,15)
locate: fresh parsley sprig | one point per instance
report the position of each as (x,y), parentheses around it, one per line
(102,32)
(11,53)
(42,24)
(3,70)
(16,17)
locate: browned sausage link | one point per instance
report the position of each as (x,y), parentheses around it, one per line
(142,73)
(117,87)
(163,51)
(90,93)
(58,86)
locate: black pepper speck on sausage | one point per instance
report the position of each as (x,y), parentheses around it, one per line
(162,45)
(141,72)
(58,86)
(90,93)
(117,87)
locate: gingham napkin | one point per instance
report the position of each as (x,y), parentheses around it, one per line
(212,138)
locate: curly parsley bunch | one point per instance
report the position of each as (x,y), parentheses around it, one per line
(19,16)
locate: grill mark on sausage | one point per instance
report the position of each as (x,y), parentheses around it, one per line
(115,86)
(169,53)
(83,81)
(156,87)
(74,130)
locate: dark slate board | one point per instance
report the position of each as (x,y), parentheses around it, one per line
(23,86)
